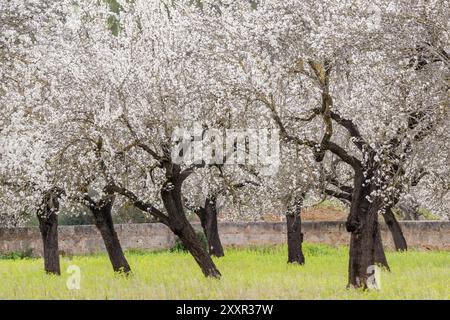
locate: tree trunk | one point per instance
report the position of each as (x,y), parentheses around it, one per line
(366,248)
(104,223)
(395,229)
(294,230)
(379,255)
(211,228)
(48,226)
(192,243)
(178,223)
(294,238)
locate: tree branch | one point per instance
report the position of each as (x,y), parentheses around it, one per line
(339,195)
(144,206)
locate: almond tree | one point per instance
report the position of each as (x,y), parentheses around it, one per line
(342,81)
(117,100)
(22,143)
(37,161)
(297,183)
(25,191)
(214,188)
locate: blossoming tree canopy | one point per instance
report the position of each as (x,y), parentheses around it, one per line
(120,97)
(92,93)
(337,79)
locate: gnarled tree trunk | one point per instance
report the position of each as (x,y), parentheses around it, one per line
(104,223)
(178,223)
(395,229)
(48,226)
(294,239)
(294,233)
(208,219)
(366,248)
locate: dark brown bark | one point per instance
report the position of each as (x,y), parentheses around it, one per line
(294,238)
(104,223)
(388,215)
(48,226)
(379,255)
(294,232)
(362,251)
(208,219)
(366,248)
(178,223)
(395,229)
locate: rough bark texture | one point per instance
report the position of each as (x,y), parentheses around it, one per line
(208,219)
(48,226)
(104,223)
(178,223)
(395,229)
(294,239)
(362,250)
(366,248)
(379,255)
(294,233)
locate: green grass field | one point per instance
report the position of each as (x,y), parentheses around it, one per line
(247,274)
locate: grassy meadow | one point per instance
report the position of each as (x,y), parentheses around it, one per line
(257,273)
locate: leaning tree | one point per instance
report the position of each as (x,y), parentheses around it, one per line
(120,97)
(40,152)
